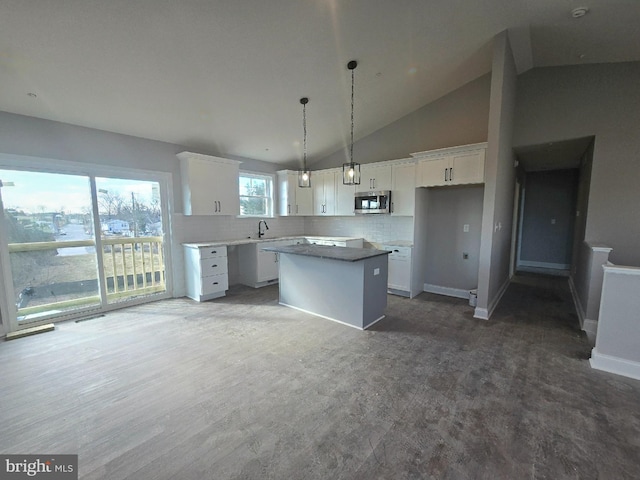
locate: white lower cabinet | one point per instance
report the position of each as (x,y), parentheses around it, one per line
(257,267)
(399,277)
(206,272)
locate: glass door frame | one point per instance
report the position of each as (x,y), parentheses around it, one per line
(36,164)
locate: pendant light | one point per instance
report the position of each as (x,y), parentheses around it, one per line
(351,170)
(304,175)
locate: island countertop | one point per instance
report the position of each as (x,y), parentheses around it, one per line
(345,254)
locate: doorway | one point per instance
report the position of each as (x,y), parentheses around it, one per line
(553,181)
(548,205)
(75,244)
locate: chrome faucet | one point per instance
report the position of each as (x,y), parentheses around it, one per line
(260,232)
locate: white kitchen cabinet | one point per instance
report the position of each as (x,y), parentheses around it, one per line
(451,166)
(375,176)
(293,200)
(324,192)
(345,204)
(403,196)
(399,276)
(206,271)
(209,184)
(257,267)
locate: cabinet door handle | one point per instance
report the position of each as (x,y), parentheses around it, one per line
(219,206)
(288,209)
(214,266)
(451,174)
(215,283)
(297,209)
(396,250)
(446,172)
(214,251)
(391,207)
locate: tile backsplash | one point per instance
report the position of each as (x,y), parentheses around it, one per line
(210,228)
(373,228)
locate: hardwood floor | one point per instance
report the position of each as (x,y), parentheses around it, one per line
(241,387)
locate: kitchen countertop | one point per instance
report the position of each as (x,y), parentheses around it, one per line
(334,253)
(244,241)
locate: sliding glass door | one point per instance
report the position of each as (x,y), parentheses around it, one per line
(78,243)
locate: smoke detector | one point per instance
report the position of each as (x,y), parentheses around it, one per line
(579,12)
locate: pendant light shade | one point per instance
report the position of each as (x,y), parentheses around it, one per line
(351,170)
(304,175)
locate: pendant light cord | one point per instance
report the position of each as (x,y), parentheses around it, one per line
(352,89)
(304,129)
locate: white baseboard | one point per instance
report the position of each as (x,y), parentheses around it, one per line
(555,266)
(576,302)
(587,325)
(448,291)
(619,366)
(590,327)
(481,313)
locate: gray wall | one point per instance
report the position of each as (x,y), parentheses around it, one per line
(548,217)
(30,136)
(448,210)
(458,118)
(603,100)
(495,246)
(582,207)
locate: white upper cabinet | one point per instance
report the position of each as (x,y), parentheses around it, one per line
(324,192)
(293,200)
(345,204)
(209,184)
(468,167)
(451,166)
(374,176)
(403,196)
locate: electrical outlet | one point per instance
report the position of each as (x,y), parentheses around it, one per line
(465,256)
(465,227)
(376,271)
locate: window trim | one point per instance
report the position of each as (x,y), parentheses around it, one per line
(270,197)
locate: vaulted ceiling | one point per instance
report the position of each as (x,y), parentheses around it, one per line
(225,76)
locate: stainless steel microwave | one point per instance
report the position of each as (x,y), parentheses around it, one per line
(373,202)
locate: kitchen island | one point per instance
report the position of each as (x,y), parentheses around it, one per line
(346,285)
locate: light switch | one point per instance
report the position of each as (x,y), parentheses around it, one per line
(376,271)
(465,228)
(553,221)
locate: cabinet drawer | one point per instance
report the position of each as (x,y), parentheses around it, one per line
(211,252)
(213,266)
(214,284)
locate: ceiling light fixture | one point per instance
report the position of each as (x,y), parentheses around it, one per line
(579,12)
(304,175)
(351,170)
